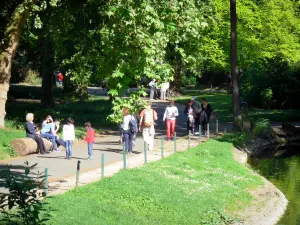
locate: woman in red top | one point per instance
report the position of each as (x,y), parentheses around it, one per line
(90,138)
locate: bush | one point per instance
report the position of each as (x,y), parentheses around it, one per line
(23,204)
(267,98)
(261,128)
(33,78)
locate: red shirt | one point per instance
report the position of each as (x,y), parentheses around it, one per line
(90,135)
(60,77)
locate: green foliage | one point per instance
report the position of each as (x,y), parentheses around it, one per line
(262,127)
(33,78)
(201,186)
(6,136)
(188,81)
(267,97)
(133,103)
(23,204)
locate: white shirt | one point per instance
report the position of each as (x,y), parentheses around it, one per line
(165,86)
(126,120)
(171,113)
(68,132)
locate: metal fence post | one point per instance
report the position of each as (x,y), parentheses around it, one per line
(189,142)
(102,165)
(124,157)
(77,172)
(225,130)
(46,181)
(217,126)
(162,147)
(175,138)
(145,152)
(208,131)
(200,134)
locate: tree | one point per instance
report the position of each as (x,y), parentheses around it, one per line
(233,65)
(8,49)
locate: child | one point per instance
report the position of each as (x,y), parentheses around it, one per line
(69,137)
(190,112)
(90,138)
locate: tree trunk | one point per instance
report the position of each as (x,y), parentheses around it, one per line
(233,65)
(177,65)
(8,50)
(46,70)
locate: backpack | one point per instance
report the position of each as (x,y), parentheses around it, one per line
(148,118)
(133,126)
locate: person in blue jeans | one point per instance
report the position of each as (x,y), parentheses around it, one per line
(69,137)
(128,134)
(47,133)
(90,138)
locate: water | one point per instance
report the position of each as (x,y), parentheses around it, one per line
(284,173)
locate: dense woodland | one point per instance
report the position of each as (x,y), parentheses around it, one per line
(125,41)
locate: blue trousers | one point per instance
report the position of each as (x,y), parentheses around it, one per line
(69,148)
(90,149)
(52,137)
(128,140)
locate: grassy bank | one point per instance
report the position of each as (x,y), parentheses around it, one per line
(201,186)
(222,104)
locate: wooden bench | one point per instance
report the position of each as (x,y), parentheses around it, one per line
(26,146)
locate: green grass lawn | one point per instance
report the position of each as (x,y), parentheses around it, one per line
(222,104)
(204,185)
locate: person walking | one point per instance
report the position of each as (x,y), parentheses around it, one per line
(69,137)
(190,114)
(163,90)
(31,132)
(146,125)
(205,113)
(170,115)
(152,86)
(129,128)
(89,138)
(197,109)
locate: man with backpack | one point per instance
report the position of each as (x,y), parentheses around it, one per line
(147,118)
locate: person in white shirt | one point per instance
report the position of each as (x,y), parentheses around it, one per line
(69,137)
(129,129)
(170,118)
(163,90)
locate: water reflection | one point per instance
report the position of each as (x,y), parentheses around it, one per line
(284,173)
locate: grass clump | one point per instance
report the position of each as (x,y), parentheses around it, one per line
(6,135)
(201,186)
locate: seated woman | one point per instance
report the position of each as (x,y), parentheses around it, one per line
(47,133)
(32,133)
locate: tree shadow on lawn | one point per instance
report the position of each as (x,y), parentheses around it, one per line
(94,111)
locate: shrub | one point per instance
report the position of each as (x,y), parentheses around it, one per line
(267,98)
(33,78)
(23,204)
(261,128)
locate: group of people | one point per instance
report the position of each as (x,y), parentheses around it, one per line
(158,89)
(50,130)
(196,115)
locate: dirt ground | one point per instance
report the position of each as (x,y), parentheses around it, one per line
(269,203)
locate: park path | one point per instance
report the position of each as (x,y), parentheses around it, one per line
(59,168)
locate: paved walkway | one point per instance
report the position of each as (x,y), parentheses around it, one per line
(59,168)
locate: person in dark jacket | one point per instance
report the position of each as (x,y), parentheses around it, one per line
(205,113)
(32,133)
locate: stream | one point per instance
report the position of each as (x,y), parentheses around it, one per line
(284,173)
